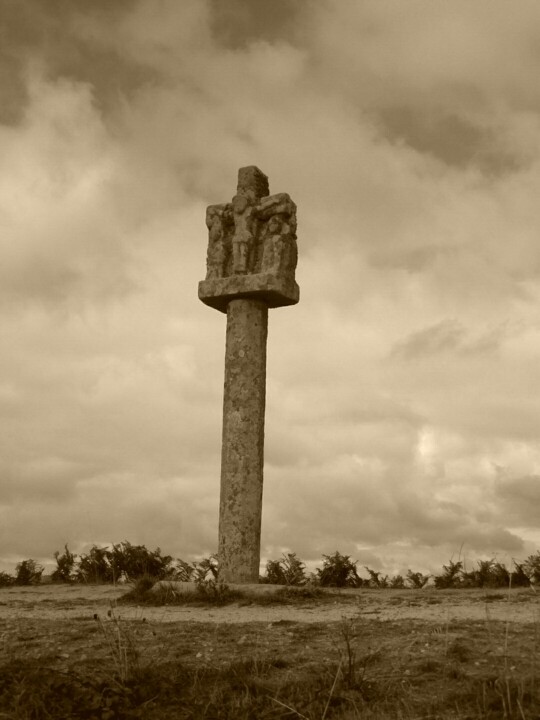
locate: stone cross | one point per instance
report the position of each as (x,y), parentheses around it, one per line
(251,263)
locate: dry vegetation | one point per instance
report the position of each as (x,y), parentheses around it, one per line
(76,652)
(461,645)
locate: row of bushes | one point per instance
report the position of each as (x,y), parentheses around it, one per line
(340,571)
(122,562)
(337,571)
(128,562)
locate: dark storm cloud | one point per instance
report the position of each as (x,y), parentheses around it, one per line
(520,498)
(448,336)
(236,23)
(46,479)
(442,337)
(58,35)
(407,135)
(454,140)
(343,510)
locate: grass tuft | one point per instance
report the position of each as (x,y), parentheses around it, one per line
(212,593)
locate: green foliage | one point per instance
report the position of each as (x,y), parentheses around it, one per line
(95,566)
(293,593)
(216,593)
(205,567)
(144,584)
(519,577)
(478,577)
(531,568)
(6,580)
(64,566)
(28,572)
(109,564)
(289,570)
(274,573)
(375,579)
(499,575)
(124,650)
(197,572)
(338,571)
(417,580)
(28,691)
(183,571)
(487,574)
(135,561)
(101,565)
(451,577)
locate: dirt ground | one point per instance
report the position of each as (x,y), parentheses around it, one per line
(72,625)
(64,602)
(440,645)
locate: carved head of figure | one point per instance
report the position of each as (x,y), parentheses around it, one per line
(275,224)
(214,223)
(211,212)
(240,203)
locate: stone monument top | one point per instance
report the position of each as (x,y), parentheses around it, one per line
(252,251)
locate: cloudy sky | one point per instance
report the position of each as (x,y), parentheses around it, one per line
(402,392)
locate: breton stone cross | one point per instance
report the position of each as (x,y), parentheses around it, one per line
(251,262)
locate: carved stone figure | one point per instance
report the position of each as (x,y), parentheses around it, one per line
(243,241)
(279,252)
(217,219)
(280,203)
(253,234)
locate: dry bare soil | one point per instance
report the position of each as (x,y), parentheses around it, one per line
(75,652)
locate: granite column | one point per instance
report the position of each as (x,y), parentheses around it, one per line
(250,263)
(242,453)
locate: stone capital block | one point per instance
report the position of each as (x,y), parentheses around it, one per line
(273,290)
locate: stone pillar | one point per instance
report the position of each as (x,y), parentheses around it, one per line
(251,263)
(242,452)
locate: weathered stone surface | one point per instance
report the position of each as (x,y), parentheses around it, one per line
(251,263)
(275,291)
(242,452)
(252,183)
(253,234)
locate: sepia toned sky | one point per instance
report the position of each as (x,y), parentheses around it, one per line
(403,406)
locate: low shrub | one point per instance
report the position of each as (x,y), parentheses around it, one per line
(375,579)
(65,563)
(6,580)
(104,565)
(94,566)
(289,570)
(451,577)
(135,561)
(338,571)
(28,572)
(204,568)
(183,571)
(417,580)
(531,568)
